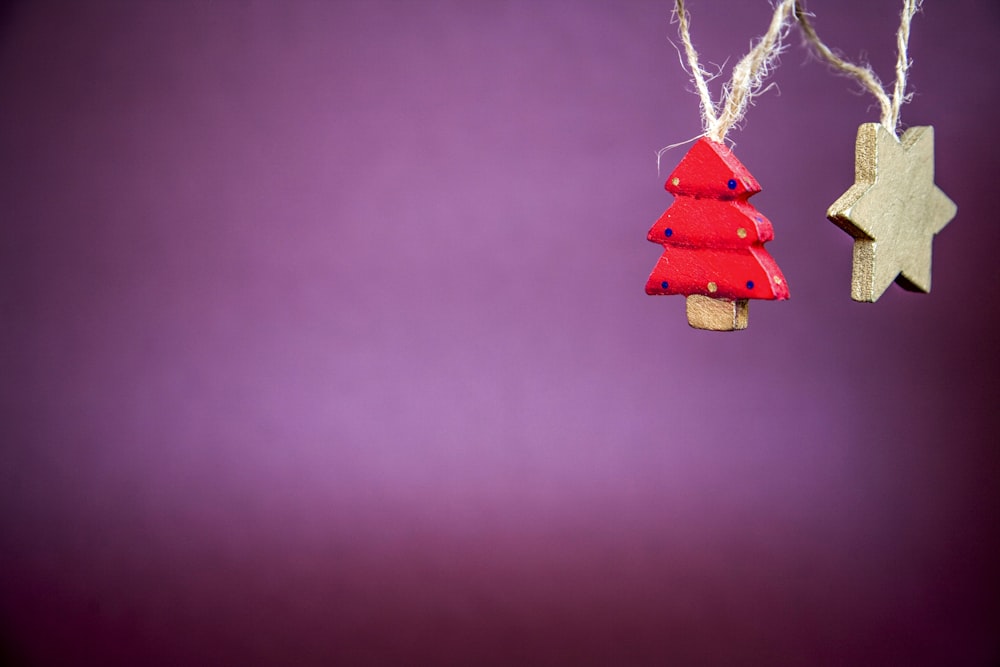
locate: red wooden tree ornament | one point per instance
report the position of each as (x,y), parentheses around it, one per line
(713,241)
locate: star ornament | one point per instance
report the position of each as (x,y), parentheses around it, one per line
(893,211)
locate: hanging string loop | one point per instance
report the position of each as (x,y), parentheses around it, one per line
(863,74)
(748,74)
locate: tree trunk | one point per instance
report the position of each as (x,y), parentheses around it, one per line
(704,312)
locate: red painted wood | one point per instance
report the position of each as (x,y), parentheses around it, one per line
(712,237)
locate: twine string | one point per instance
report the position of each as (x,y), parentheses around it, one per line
(864,74)
(697,73)
(748,74)
(903,62)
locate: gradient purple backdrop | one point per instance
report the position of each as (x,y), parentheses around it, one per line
(323,340)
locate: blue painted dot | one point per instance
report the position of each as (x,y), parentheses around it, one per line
(668,232)
(760,219)
(749,284)
(731,184)
(665,284)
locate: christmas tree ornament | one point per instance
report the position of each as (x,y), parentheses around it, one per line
(713,241)
(894,209)
(712,237)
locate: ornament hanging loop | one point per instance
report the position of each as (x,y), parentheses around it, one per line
(748,74)
(864,74)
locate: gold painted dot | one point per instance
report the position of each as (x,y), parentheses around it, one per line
(713,288)
(675,180)
(742,233)
(777,280)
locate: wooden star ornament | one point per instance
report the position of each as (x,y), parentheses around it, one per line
(893,211)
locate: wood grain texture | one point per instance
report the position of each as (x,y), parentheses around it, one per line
(893,211)
(717,314)
(713,240)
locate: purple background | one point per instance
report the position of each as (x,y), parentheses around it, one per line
(323,340)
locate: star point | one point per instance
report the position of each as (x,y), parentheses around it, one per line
(893,210)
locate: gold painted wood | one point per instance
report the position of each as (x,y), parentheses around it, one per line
(704,312)
(893,211)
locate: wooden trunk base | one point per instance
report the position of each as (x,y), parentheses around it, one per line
(704,312)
